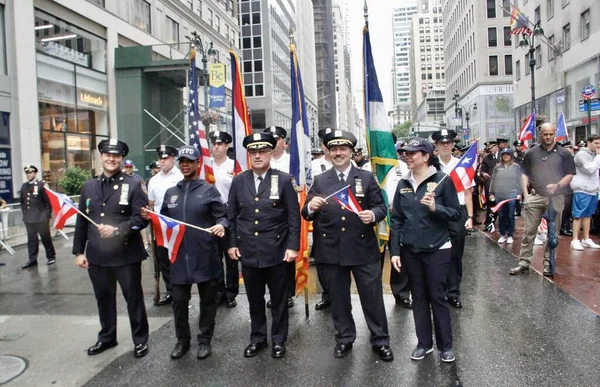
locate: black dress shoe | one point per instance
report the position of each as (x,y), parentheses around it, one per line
(290,302)
(28,264)
(181,348)
(278,350)
(140,350)
(404,302)
(322,305)
(342,350)
(384,351)
(100,347)
(519,270)
(231,303)
(455,302)
(255,348)
(204,351)
(269,303)
(167,299)
(51,261)
(566,232)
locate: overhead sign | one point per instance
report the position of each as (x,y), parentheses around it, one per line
(588,92)
(217,85)
(583,104)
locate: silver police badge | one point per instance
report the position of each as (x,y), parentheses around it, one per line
(274,193)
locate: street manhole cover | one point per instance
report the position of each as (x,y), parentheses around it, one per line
(11,367)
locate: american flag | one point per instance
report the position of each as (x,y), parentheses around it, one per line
(197,132)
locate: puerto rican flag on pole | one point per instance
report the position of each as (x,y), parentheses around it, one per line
(497,207)
(463,174)
(169,233)
(527,131)
(62,207)
(561,128)
(346,199)
(240,125)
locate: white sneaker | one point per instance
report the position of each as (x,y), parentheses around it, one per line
(502,239)
(576,245)
(538,241)
(509,240)
(589,243)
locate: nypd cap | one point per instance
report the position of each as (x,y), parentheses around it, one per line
(154,165)
(339,137)
(276,131)
(444,135)
(218,136)
(30,168)
(189,152)
(165,151)
(260,141)
(418,144)
(114,147)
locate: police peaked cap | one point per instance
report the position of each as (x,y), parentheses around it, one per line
(153,165)
(276,131)
(518,143)
(219,136)
(114,147)
(30,168)
(339,137)
(260,141)
(323,132)
(501,140)
(165,151)
(444,135)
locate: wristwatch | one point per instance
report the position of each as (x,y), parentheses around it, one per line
(470,216)
(116,232)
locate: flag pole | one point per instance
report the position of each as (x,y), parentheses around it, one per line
(76,209)
(339,190)
(180,222)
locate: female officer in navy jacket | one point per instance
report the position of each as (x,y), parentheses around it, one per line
(424,203)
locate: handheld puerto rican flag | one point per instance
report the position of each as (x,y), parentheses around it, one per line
(463,174)
(527,131)
(169,233)
(346,199)
(561,128)
(497,207)
(62,207)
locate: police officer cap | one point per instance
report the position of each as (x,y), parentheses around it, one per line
(276,131)
(518,143)
(358,151)
(317,151)
(189,152)
(501,140)
(418,144)
(455,148)
(113,146)
(444,135)
(218,136)
(260,141)
(465,148)
(165,151)
(323,132)
(153,165)
(128,163)
(581,144)
(567,144)
(30,168)
(490,144)
(339,137)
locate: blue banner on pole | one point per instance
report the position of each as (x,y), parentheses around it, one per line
(217,85)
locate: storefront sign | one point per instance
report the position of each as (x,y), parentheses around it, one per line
(495,90)
(92,99)
(6,176)
(66,53)
(217,85)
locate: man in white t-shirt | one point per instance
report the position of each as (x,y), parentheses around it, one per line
(168,177)
(444,141)
(223,167)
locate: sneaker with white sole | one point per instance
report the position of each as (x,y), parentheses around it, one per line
(502,239)
(589,243)
(576,245)
(509,240)
(538,241)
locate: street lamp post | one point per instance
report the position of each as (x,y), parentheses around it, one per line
(196,43)
(529,41)
(458,109)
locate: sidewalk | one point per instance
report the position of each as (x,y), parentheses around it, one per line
(577,272)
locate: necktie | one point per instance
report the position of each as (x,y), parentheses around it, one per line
(342,180)
(107,187)
(260,181)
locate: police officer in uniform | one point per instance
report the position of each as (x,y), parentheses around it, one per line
(113,250)
(264,234)
(345,243)
(223,167)
(36,216)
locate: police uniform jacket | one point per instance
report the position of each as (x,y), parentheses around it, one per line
(413,226)
(339,236)
(199,203)
(121,208)
(35,203)
(265,224)
(487,166)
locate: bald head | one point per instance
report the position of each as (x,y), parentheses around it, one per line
(547,135)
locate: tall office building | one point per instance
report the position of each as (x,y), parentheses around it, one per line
(342,84)
(401,25)
(479,67)
(427,66)
(324,51)
(566,60)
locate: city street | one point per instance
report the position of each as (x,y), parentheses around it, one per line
(512,331)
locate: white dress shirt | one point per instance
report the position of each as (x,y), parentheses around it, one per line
(223,177)
(282,163)
(160,183)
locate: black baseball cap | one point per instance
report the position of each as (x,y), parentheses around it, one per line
(189,152)
(418,144)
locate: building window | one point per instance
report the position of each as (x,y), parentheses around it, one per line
(550,48)
(3,68)
(493,60)
(491,9)
(518,70)
(508,65)
(506,8)
(550,8)
(492,37)
(507,36)
(218,22)
(99,3)
(141,15)
(538,56)
(526,64)
(171,31)
(566,37)
(210,17)
(585,24)
(537,14)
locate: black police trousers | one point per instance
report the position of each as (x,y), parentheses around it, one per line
(164,265)
(33,243)
(208,311)
(104,280)
(228,286)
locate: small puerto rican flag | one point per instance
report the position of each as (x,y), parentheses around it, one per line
(168,232)
(346,198)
